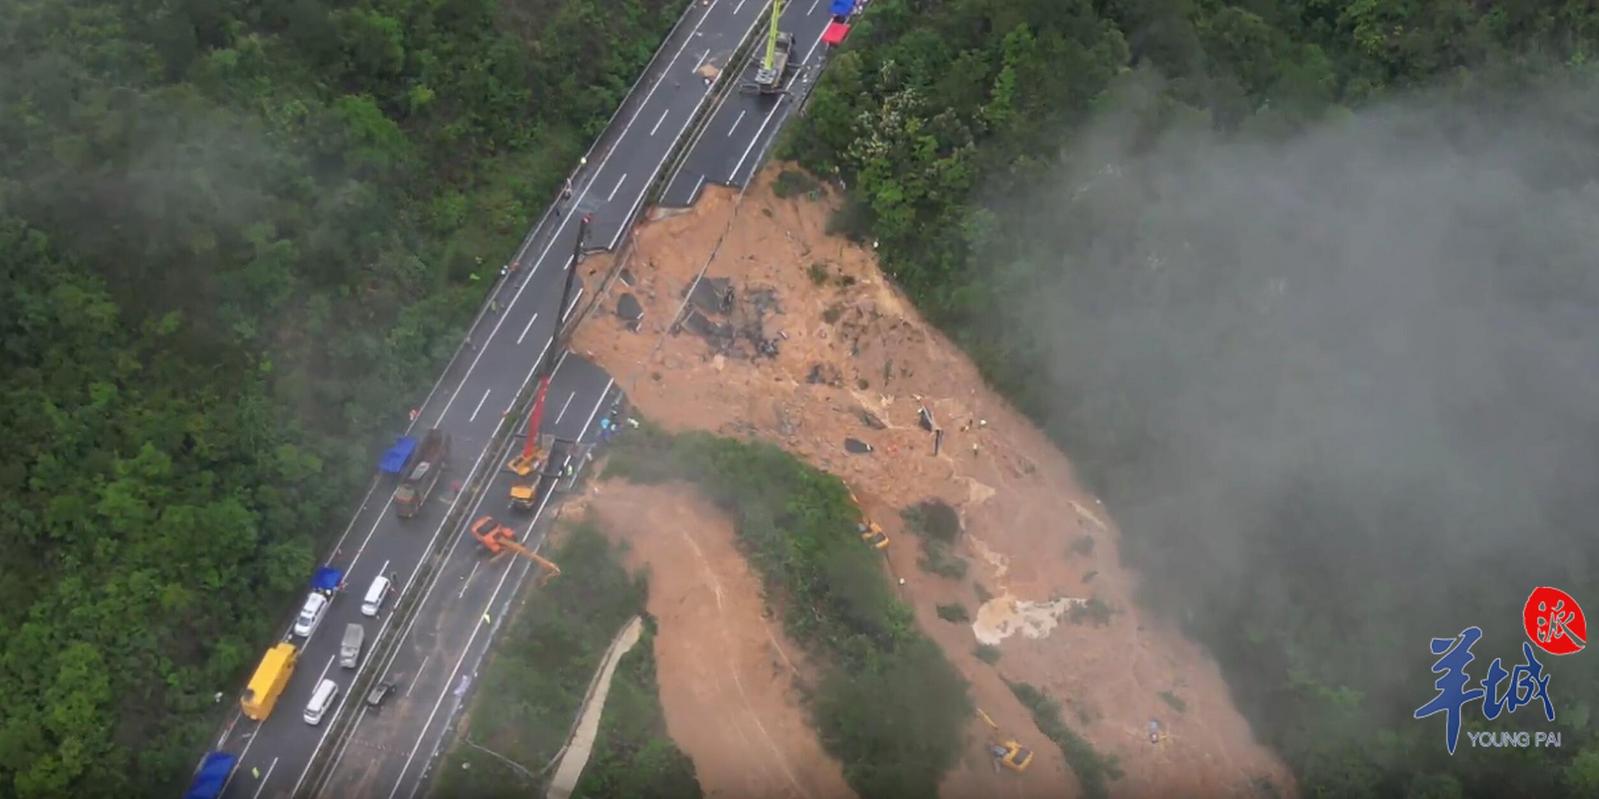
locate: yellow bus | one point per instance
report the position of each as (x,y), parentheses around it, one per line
(269,681)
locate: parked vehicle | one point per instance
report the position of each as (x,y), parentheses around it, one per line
(311,613)
(267,684)
(321,699)
(430,462)
(324,585)
(378,693)
(350,647)
(375,594)
(212,776)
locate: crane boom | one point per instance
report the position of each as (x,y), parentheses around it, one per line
(524,464)
(537,417)
(771,36)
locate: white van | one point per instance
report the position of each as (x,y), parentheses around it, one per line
(311,613)
(375,596)
(321,699)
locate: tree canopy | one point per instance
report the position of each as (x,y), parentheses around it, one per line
(236,239)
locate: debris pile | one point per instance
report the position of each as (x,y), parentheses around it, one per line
(731,326)
(854,356)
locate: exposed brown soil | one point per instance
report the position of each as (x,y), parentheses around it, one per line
(851,344)
(727,677)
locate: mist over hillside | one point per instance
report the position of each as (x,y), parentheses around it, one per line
(1341,388)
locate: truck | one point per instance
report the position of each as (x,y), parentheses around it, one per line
(769,76)
(350,647)
(418,484)
(774,63)
(212,776)
(269,680)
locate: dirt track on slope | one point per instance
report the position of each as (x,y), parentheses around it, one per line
(727,677)
(850,344)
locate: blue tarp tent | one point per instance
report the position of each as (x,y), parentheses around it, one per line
(843,7)
(398,456)
(213,774)
(327,579)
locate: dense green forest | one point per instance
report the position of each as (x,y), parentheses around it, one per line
(237,240)
(1307,290)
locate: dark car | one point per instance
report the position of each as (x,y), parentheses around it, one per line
(378,693)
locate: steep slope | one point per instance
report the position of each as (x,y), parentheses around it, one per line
(852,360)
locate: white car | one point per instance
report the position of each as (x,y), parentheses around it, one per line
(311,613)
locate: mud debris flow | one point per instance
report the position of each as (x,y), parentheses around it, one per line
(851,349)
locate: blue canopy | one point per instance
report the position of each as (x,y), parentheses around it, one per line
(212,776)
(398,456)
(327,579)
(843,7)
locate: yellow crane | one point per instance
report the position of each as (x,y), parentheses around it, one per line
(769,77)
(1006,750)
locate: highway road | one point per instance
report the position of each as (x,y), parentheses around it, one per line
(730,146)
(390,752)
(487,374)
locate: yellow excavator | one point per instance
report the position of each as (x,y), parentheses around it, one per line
(871,532)
(1006,750)
(499,539)
(774,64)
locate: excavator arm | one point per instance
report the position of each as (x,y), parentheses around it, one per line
(551,571)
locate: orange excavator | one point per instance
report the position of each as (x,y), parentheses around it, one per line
(499,539)
(528,465)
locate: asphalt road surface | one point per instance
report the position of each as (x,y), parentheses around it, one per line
(730,147)
(390,752)
(483,380)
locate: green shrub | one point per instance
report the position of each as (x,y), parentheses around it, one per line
(1094,771)
(790,182)
(1174,700)
(1093,611)
(934,519)
(852,220)
(938,525)
(1083,544)
(935,559)
(954,611)
(988,653)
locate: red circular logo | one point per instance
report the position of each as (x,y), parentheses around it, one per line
(1554,621)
